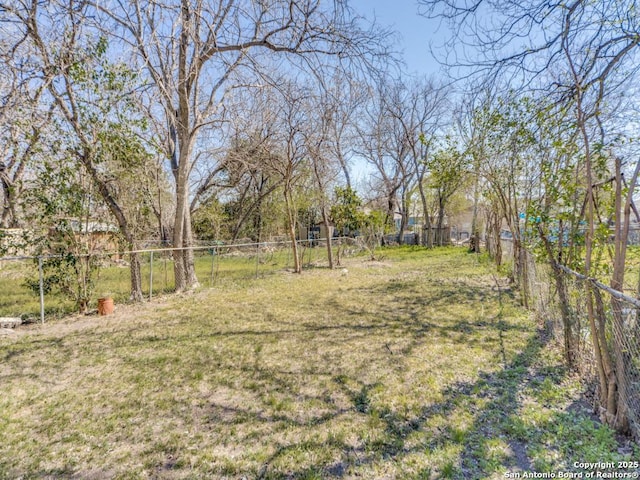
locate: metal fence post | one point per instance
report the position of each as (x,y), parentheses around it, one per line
(213,265)
(150,275)
(164,264)
(257,258)
(41,284)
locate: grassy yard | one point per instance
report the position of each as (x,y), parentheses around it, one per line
(19,300)
(417,366)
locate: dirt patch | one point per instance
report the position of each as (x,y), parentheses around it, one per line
(376,264)
(519,454)
(7,332)
(61,327)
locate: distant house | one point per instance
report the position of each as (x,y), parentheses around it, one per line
(104,236)
(317,231)
(99,236)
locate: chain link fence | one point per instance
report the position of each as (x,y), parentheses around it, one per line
(29,291)
(621,335)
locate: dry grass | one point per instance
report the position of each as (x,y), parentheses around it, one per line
(418,366)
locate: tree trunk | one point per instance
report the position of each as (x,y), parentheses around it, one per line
(184,272)
(327,228)
(474,240)
(440,227)
(297,265)
(494,246)
(563,298)
(391,203)
(181,130)
(123,224)
(402,228)
(426,227)
(565,312)
(622,223)
(136,277)
(188,258)
(179,271)
(9,218)
(606,372)
(183,264)
(520,269)
(345,168)
(404,215)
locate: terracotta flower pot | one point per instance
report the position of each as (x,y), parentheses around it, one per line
(105,306)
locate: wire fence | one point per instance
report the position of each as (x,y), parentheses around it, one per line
(620,336)
(30,293)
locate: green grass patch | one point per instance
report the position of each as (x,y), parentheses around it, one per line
(405,367)
(113,278)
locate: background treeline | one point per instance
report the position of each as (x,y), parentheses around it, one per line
(183,121)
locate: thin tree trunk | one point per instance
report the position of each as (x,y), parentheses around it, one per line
(521,274)
(136,277)
(474,241)
(391,203)
(426,228)
(188,258)
(179,271)
(604,364)
(123,224)
(608,400)
(563,298)
(297,266)
(345,168)
(158,212)
(493,236)
(617,281)
(325,219)
(440,227)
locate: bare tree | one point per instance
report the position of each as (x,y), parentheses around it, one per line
(192,50)
(23,132)
(321,134)
(290,163)
(419,110)
(469,120)
(249,174)
(24,118)
(387,146)
(343,99)
(251,183)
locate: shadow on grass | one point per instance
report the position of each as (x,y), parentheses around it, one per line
(499,393)
(265,401)
(492,399)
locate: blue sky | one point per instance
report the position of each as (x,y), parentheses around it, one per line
(416,31)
